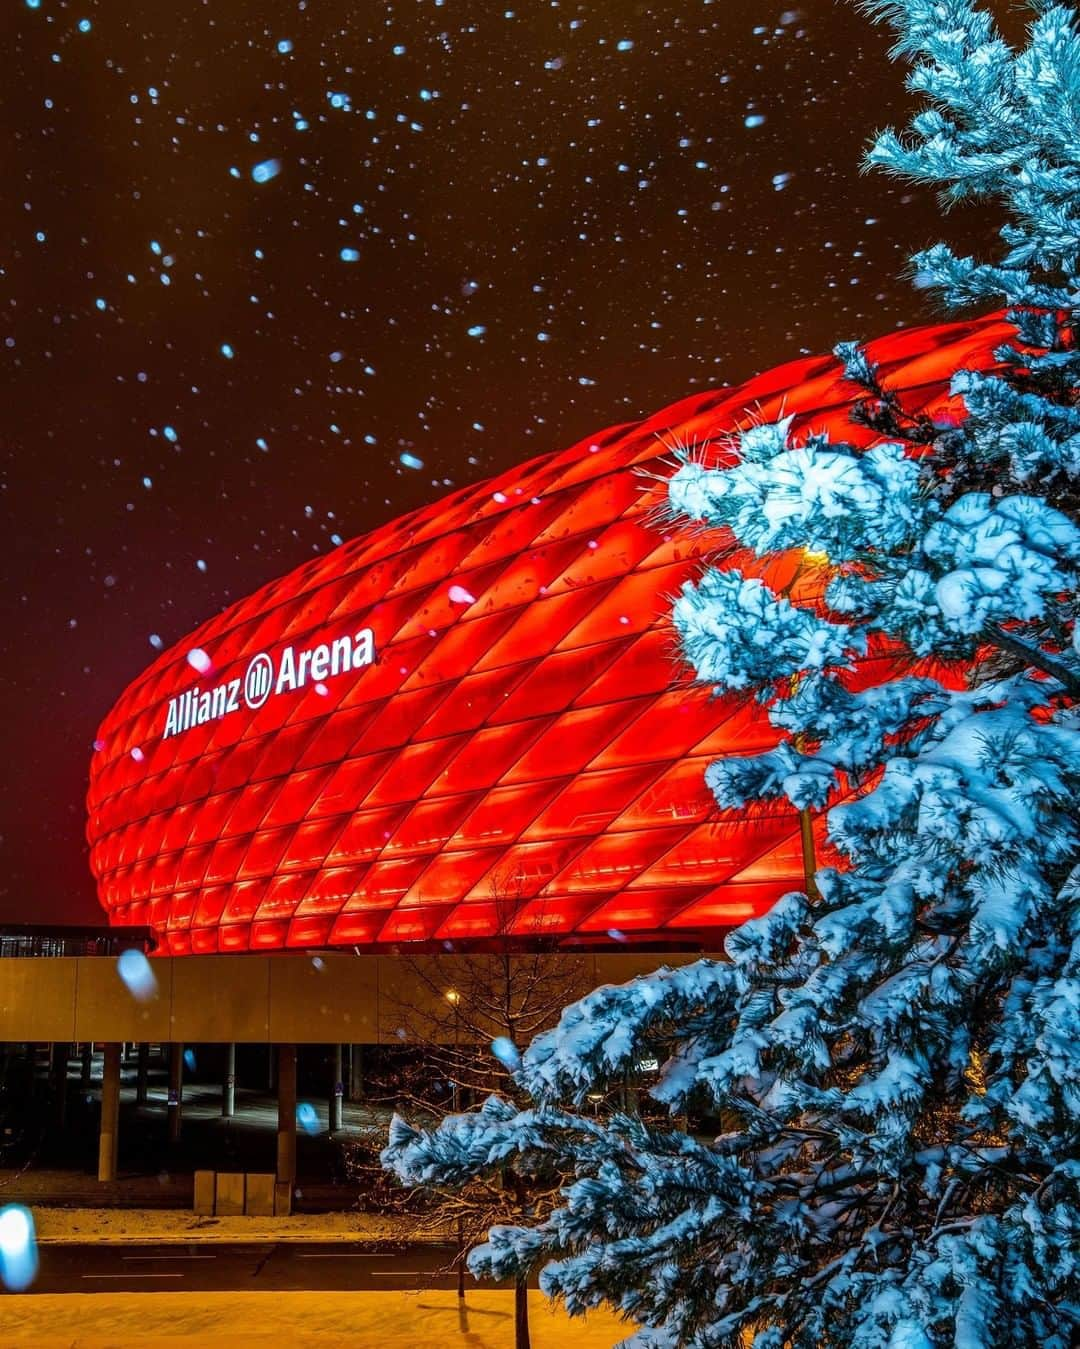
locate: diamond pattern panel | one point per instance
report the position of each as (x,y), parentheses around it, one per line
(471,722)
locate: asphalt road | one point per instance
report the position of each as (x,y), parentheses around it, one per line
(218,1267)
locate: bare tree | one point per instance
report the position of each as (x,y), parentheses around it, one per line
(461,1033)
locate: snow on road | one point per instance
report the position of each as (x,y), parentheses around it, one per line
(384,1320)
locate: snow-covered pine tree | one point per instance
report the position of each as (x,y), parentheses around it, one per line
(897,1057)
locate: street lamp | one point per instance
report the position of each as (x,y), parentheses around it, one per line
(453,997)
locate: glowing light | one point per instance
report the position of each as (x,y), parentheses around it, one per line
(576,499)
(284,46)
(477,330)
(134,969)
(459,595)
(84,25)
(227,351)
(199,660)
(18,1241)
(307,1117)
(169,432)
(349,255)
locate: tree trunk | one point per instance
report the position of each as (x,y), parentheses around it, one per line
(1033,655)
(460,1257)
(521,1314)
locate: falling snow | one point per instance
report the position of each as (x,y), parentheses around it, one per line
(267,169)
(361,256)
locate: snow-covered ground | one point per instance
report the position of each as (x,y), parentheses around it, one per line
(116,1226)
(386,1320)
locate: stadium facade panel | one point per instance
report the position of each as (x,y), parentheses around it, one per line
(471,724)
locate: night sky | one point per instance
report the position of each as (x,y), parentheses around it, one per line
(272,273)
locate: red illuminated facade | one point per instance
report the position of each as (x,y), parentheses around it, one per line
(471,722)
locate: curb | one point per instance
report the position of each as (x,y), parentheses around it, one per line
(210,1232)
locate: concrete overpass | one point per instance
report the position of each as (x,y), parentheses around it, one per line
(281,1000)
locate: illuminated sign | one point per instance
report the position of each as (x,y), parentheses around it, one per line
(295,669)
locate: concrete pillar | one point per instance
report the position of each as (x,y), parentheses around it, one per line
(337,1091)
(228,1085)
(286,1114)
(58,1066)
(109,1137)
(356,1073)
(142,1079)
(86,1068)
(176,1090)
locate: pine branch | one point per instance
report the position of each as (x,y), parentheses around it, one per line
(1033,656)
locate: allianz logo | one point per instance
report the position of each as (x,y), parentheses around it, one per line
(261,679)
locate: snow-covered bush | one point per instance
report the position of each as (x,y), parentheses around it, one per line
(897,1056)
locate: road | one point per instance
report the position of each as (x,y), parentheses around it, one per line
(217,1267)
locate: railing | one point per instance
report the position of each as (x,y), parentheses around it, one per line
(32,940)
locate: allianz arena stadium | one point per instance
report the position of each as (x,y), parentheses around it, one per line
(472,723)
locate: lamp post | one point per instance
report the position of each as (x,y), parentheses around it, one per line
(453,997)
